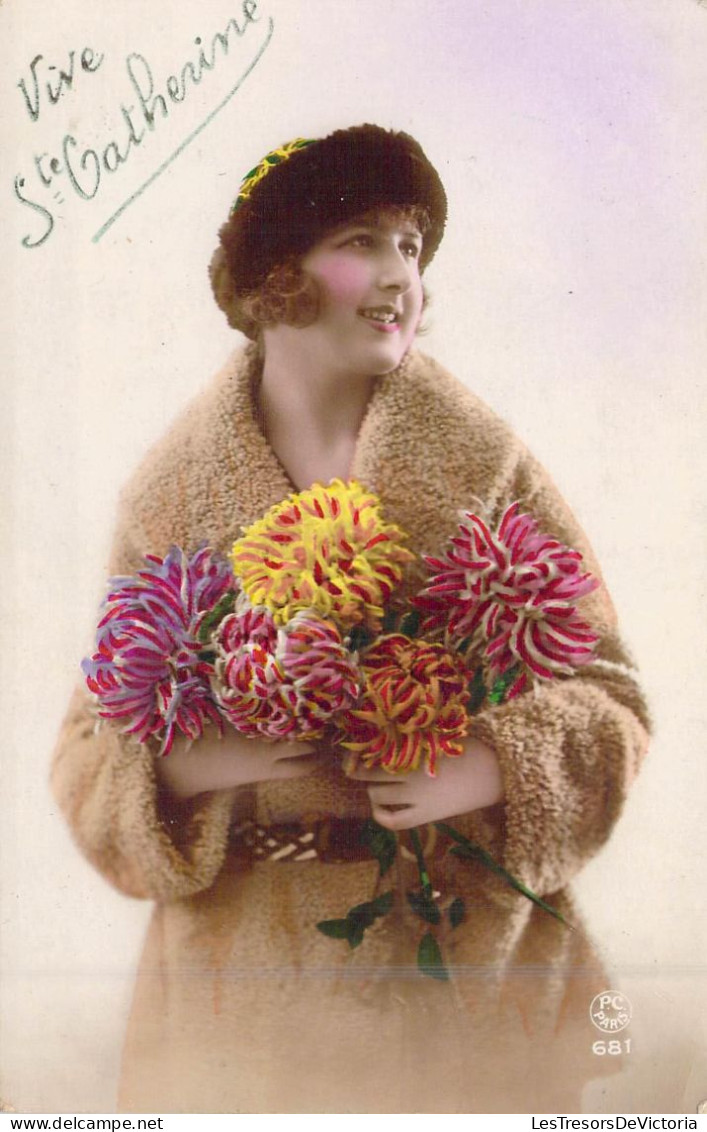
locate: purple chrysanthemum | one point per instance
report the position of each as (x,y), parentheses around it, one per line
(146,668)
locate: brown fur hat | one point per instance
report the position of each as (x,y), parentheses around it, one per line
(298,193)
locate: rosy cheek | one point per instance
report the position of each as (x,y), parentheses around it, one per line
(343,279)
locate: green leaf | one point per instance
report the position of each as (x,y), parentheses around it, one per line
(366,914)
(356,935)
(457,912)
(216,615)
(346,929)
(410,623)
(429,958)
(358,918)
(477,692)
(390,620)
(382,843)
(383,904)
(362,916)
(336,929)
(502,684)
(358,638)
(424,906)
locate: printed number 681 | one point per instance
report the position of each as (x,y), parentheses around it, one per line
(613,1047)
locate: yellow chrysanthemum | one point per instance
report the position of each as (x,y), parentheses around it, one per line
(326,549)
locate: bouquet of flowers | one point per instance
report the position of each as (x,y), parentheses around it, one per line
(264,643)
(297,638)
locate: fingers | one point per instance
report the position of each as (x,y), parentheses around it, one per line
(389,794)
(403,817)
(299,765)
(371,774)
(284,751)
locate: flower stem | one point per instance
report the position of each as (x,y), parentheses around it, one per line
(471,851)
(421,866)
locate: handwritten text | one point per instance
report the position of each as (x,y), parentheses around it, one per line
(55,87)
(83,168)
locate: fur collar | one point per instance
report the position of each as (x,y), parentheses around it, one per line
(427,446)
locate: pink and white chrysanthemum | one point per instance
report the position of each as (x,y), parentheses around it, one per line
(511,594)
(284,682)
(146,669)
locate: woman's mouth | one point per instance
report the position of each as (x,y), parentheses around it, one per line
(382,318)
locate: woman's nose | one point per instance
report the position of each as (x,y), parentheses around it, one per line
(394,270)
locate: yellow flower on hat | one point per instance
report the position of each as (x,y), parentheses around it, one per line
(275,157)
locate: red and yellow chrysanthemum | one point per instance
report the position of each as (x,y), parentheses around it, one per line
(281,683)
(413,706)
(326,549)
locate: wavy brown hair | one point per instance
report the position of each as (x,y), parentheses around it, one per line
(287,295)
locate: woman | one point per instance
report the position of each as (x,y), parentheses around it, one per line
(241,1005)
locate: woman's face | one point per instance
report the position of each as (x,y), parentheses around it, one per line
(368,276)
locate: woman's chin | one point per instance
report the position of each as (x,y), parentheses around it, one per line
(386,358)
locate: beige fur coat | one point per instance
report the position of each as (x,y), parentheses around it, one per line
(241,1005)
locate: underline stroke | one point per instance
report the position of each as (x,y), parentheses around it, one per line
(187,141)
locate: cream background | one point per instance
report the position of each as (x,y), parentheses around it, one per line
(569,293)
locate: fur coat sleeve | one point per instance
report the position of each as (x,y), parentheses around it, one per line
(568,750)
(146,844)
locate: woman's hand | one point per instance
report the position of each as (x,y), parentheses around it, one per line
(401,801)
(220,763)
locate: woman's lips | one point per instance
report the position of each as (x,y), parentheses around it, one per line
(381,319)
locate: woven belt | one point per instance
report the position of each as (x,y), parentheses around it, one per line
(331,841)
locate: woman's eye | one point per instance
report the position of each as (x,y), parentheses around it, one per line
(412,249)
(361,241)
